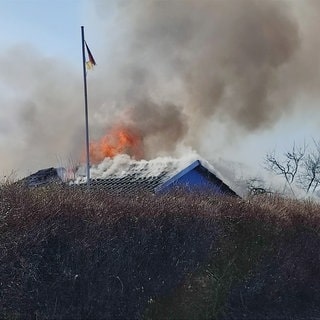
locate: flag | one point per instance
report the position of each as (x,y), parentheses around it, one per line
(91,62)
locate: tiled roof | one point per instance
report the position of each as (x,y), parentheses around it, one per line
(43,177)
(128,183)
(123,174)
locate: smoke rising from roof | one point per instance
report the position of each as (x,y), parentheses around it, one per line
(242,63)
(172,69)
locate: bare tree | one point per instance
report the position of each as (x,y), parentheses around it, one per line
(309,178)
(287,166)
(300,165)
(257,186)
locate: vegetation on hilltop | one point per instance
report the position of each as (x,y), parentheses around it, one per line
(66,253)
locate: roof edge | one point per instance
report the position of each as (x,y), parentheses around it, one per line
(178,175)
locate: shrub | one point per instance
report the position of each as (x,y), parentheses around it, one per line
(68,253)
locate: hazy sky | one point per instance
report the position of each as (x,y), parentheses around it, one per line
(154,57)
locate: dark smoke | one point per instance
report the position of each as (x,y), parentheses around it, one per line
(226,54)
(229,61)
(161,126)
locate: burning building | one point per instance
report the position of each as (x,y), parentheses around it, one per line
(117,165)
(123,174)
(163,174)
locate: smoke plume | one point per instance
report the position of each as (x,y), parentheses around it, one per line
(240,63)
(171,70)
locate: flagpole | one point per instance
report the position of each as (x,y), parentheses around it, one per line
(85,105)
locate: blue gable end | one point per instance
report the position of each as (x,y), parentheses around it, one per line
(195,180)
(196,177)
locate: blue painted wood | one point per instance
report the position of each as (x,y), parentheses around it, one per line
(178,175)
(195,177)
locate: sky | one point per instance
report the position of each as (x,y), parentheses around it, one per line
(50,26)
(155,61)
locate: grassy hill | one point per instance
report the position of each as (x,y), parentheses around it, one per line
(71,254)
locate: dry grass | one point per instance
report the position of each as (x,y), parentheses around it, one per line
(71,254)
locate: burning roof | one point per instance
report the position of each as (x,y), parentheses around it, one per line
(123,173)
(120,139)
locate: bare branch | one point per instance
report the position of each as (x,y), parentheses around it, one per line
(287,167)
(309,178)
(256,186)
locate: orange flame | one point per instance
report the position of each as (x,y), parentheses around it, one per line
(119,140)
